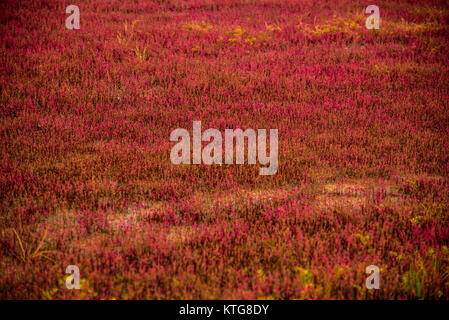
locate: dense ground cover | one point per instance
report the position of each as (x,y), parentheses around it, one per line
(86,176)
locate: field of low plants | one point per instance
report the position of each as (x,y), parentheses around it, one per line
(85,171)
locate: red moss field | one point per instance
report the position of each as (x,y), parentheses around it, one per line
(86,177)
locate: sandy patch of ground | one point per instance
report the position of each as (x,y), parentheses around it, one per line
(356,193)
